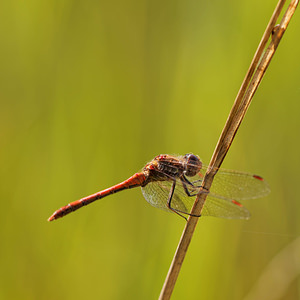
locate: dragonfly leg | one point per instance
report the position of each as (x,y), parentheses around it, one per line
(170,199)
(177,211)
(199,181)
(184,182)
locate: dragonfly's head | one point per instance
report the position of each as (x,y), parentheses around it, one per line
(192,165)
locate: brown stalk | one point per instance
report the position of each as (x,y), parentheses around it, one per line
(251,82)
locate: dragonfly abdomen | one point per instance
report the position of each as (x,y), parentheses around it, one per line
(137,179)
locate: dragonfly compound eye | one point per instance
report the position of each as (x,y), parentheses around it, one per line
(192,165)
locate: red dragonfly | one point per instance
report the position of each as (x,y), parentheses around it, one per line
(172,182)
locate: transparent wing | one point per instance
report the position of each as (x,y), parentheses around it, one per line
(157,193)
(235,185)
(222,208)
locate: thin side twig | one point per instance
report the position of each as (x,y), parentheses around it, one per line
(250,84)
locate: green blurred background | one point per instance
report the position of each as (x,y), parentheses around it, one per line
(90,92)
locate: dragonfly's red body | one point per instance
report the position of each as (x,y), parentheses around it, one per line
(134,181)
(165,185)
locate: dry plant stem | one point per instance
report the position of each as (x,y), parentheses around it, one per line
(258,65)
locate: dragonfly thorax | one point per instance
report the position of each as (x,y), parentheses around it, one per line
(168,167)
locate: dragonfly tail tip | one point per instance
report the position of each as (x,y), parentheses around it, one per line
(52,218)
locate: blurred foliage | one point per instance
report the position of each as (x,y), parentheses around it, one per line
(91,91)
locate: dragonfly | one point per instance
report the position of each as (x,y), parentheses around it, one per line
(171,183)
